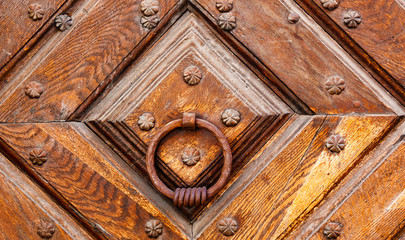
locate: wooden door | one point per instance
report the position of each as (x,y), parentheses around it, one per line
(202,119)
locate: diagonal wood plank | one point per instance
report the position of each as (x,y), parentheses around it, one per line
(87,179)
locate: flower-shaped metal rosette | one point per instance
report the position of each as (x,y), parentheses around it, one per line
(154,228)
(352,18)
(63,22)
(45,229)
(35,11)
(335,85)
(190,156)
(335,143)
(330,4)
(227,21)
(149,21)
(230,117)
(38,156)
(224,5)
(34,89)
(332,230)
(146,121)
(192,75)
(149,7)
(227,226)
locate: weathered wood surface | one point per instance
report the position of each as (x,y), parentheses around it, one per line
(16,27)
(69,78)
(377,209)
(301,58)
(23,206)
(86,179)
(381,32)
(300,177)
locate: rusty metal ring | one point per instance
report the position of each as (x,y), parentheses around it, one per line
(200,123)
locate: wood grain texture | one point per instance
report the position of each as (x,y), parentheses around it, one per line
(381,33)
(23,206)
(69,78)
(251,206)
(87,181)
(299,58)
(16,27)
(309,181)
(155,85)
(377,209)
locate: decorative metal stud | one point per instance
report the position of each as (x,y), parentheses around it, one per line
(149,7)
(63,22)
(227,226)
(227,21)
(34,89)
(192,75)
(335,143)
(149,21)
(224,5)
(332,230)
(230,117)
(293,18)
(330,4)
(38,156)
(357,104)
(146,121)
(190,156)
(154,228)
(35,11)
(335,85)
(351,18)
(45,229)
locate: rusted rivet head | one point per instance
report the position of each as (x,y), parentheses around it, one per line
(227,21)
(357,104)
(34,89)
(293,18)
(332,230)
(330,4)
(224,5)
(35,11)
(192,75)
(230,117)
(335,143)
(45,229)
(154,228)
(146,121)
(149,7)
(63,22)
(227,226)
(149,21)
(38,156)
(335,85)
(351,18)
(190,156)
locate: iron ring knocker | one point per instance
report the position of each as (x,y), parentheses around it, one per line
(189,197)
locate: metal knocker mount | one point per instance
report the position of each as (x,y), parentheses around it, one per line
(196,196)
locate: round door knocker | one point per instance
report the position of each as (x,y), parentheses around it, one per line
(196,196)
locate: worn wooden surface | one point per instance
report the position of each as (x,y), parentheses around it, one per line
(16,27)
(69,78)
(299,58)
(285,184)
(381,33)
(82,175)
(23,206)
(377,209)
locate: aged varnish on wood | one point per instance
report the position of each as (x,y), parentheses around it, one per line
(202,119)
